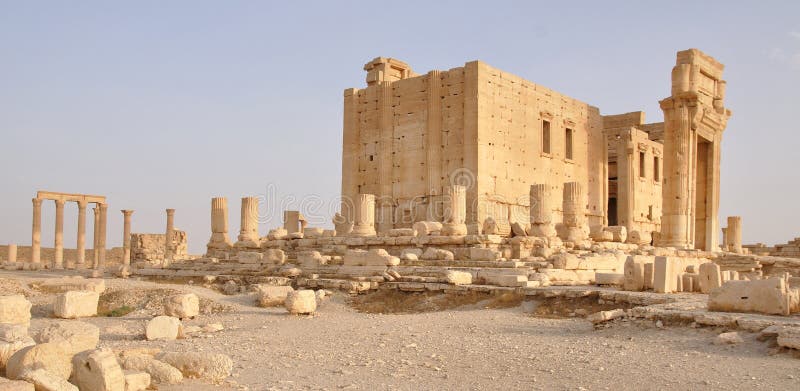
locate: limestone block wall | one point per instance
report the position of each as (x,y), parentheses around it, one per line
(512,153)
(636,167)
(406,140)
(152,247)
(113,255)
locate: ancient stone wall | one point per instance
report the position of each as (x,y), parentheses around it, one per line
(113,255)
(636,165)
(406,140)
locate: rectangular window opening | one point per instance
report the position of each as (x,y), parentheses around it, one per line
(568,144)
(641,165)
(657,169)
(546,137)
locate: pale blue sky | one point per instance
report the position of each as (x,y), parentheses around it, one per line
(160,104)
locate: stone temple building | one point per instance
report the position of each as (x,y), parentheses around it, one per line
(408,137)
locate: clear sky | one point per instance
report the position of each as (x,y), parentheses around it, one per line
(165,104)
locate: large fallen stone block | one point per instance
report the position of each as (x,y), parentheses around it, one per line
(77,283)
(136,381)
(458,278)
(7,349)
(710,277)
(639,237)
(76,304)
(159,371)
(15,309)
(15,385)
(271,295)
(769,296)
(634,272)
(212,367)
(374,257)
(52,357)
(668,272)
(605,316)
(411,254)
(43,380)
(789,337)
(97,370)
(301,302)
(182,306)
(164,327)
(79,336)
(619,233)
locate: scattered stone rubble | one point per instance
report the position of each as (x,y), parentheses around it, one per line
(64,355)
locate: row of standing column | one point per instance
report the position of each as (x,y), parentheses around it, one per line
(100,219)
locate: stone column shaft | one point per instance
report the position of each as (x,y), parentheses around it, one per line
(36,234)
(80,247)
(126,237)
(58,257)
(12,252)
(735,234)
(541,211)
(575,227)
(248,229)
(219,223)
(96,236)
(168,244)
(455,211)
(364,224)
(101,258)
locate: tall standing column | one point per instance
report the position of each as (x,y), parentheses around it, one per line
(735,234)
(541,211)
(455,212)
(168,240)
(80,247)
(724,244)
(248,230)
(101,257)
(36,234)
(12,253)
(126,237)
(433,141)
(364,224)
(96,236)
(385,204)
(58,257)
(219,223)
(575,228)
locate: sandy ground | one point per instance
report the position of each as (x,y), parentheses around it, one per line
(468,348)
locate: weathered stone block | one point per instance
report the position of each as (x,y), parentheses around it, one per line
(301,302)
(15,309)
(136,381)
(186,305)
(76,304)
(212,367)
(769,296)
(164,327)
(458,278)
(79,336)
(97,370)
(52,357)
(271,296)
